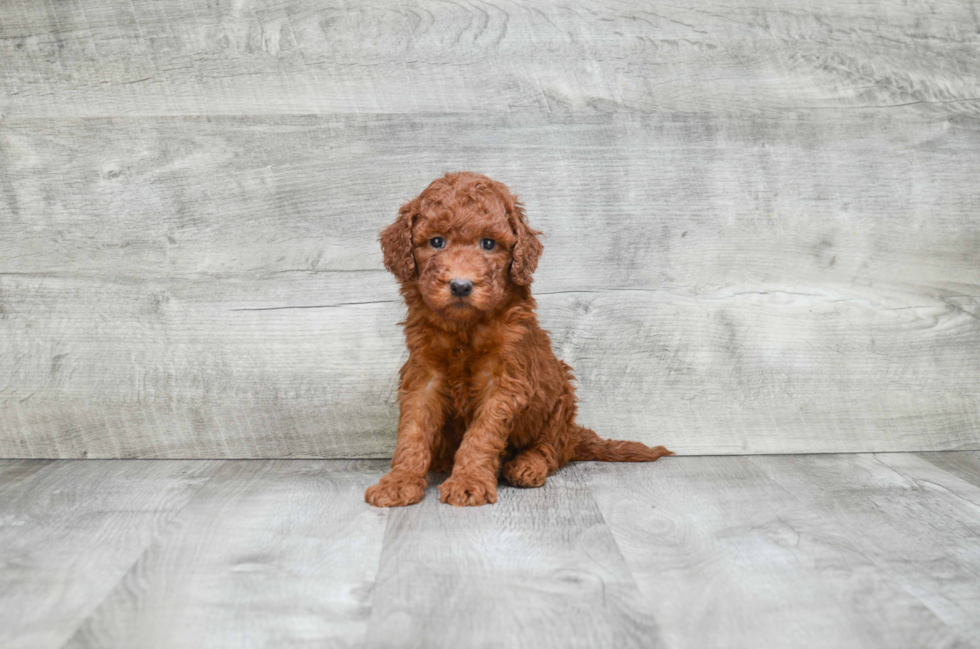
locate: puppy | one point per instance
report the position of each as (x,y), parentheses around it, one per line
(481,387)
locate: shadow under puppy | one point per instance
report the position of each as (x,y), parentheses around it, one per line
(481,387)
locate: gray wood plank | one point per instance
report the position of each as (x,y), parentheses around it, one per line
(965,465)
(762,199)
(728,558)
(842,551)
(917,523)
(269,554)
(932,477)
(187,287)
(15,475)
(537,569)
(140,57)
(71,531)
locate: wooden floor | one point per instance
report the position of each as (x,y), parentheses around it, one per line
(836,551)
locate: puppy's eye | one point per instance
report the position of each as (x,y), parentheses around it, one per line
(437,242)
(488,244)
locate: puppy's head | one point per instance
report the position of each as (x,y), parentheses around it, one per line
(464,242)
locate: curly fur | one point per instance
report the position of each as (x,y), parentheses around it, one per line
(482,393)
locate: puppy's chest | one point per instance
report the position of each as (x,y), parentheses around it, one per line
(468,379)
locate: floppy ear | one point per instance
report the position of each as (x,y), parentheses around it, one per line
(396,243)
(528,248)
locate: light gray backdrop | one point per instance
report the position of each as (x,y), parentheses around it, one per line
(762,218)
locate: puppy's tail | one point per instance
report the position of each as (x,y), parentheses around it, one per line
(592,447)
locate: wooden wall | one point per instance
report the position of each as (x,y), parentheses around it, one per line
(762,219)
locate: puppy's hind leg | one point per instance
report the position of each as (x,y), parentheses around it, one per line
(530,468)
(546,454)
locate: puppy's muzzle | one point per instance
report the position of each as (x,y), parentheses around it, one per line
(461,287)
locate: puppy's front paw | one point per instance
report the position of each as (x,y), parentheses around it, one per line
(395,492)
(467,491)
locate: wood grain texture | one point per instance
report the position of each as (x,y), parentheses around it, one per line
(70,530)
(964,465)
(804,551)
(537,569)
(142,57)
(761,219)
(268,554)
(725,556)
(916,522)
(15,475)
(191,287)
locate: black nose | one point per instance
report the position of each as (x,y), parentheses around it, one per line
(461,287)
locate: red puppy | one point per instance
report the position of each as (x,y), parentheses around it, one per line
(481,385)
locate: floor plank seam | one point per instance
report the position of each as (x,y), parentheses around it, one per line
(163,530)
(920,481)
(580,475)
(886,572)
